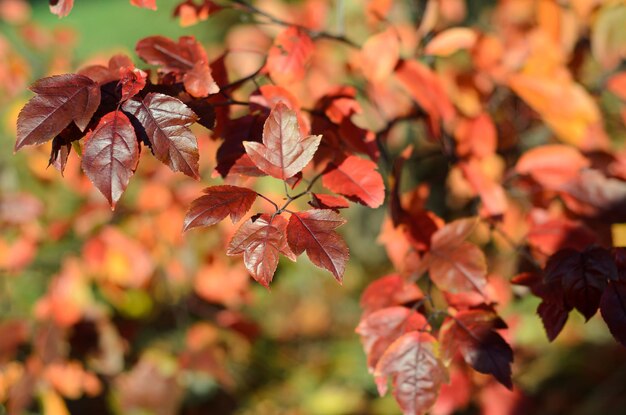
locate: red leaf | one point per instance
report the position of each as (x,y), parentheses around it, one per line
(582,275)
(284,151)
(172,56)
(186,58)
(217,203)
(381,328)
(357,179)
(313,231)
(167,120)
(380,54)
(456,265)
(260,242)
(472,333)
(288,57)
(427,90)
(190,13)
(388,291)
(592,194)
(613,309)
(146,4)
(112,72)
(60,100)
(476,137)
(110,155)
(61,7)
(199,81)
(416,372)
(552,165)
(322,201)
(491,192)
(132,80)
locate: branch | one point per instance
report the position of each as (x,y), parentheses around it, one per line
(314,34)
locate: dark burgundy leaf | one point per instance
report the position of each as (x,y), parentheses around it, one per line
(166,121)
(553,315)
(313,231)
(60,100)
(613,309)
(235,132)
(583,276)
(110,155)
(472,333)
(217,203)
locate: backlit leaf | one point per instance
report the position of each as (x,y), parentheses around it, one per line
(217,203)
(313,231)
(456,265)
(472,333)
(552,165)
(60,100)
(357,179)
(284,152)
(260,241)
(110,155)
(288,57)
(416,372)
(388,291)
(380,54)
(381,328)
(166,121)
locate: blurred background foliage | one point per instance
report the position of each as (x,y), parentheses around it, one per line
(116,312)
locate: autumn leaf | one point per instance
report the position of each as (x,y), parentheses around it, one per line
(323,201)
(426,88)
(60,100)
(166,121)
(613,309)
(357,179)
(284,152)
(217,203)
(583,276)
(381,328)
(146,4)
(289,55)
(380,54)
(456,265)
(261,241)
(473,333)
(387,291)
(416,372)
(313,231)
(552,165)
(61,7)
(186,59)
(450,41)
(110,155)
(132,80)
